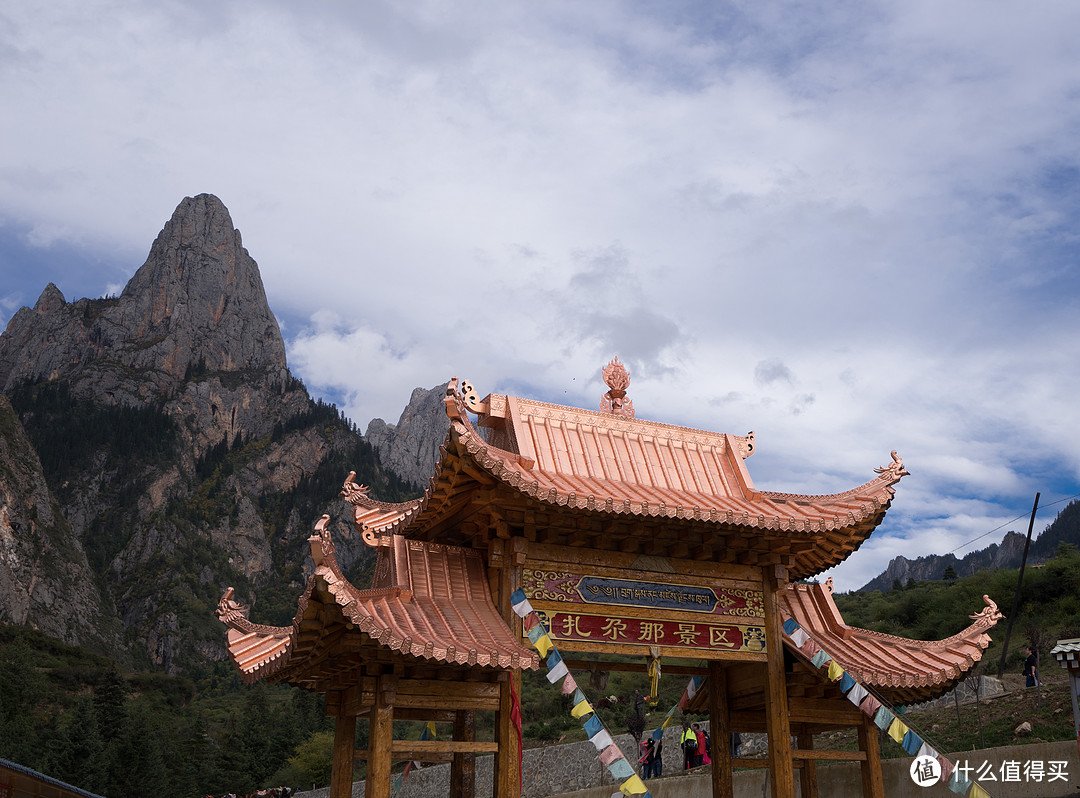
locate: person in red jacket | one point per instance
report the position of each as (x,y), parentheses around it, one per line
(699,757)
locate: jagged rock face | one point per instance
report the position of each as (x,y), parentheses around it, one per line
(1006,554)
(411,448)
(198,300)
(45,579)
(191,351)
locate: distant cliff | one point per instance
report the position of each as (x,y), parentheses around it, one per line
(411,448)
(1064,529)
(177,454)
(45,577)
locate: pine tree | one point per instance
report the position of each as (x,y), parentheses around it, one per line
(193,765)
(21,689)
(140,763)
(78,753)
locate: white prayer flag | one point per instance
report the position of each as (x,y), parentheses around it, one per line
(856,694)
(558,672)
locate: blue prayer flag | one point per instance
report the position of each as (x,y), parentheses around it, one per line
(593,725)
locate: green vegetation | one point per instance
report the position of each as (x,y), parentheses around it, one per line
(1049,607)
(74,716)
(68,431)
(182,569)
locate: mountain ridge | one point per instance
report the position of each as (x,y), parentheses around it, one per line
(1065,528)
(180,452)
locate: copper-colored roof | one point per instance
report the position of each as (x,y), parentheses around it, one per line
(429,601)
(902,670)
(605,463)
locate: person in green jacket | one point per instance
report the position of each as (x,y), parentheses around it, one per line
(689,744)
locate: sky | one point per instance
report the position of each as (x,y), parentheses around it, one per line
(849,227)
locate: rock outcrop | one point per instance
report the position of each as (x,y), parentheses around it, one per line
(45,579)
(1006,554)
(197,303)
(184,455)
(410,448)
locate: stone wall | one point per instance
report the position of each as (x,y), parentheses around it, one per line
(843,779)
(549,770)
(562,771)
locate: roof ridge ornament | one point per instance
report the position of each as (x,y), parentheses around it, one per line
(894,470)
(618,380)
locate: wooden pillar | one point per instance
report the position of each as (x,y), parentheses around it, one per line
(781,772)
(508,556)
(463,766)
(380,738)
(507,771)
(341,771)
(873,785)
(808,771)
(720,732)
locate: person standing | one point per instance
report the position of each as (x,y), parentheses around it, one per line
(1031,667)
(647,759)
(688,743)
(699,755)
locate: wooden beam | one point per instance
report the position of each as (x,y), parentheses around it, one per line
(741,762)
(507,773)
(434,702)
(873,784)
(832,756)
(463,767)
(808,785)
(633,667)
(782,779)
(720,738)
(380,739)
(449,689)
(341,770)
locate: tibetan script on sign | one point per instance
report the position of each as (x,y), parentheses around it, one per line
(561,586)
(586,627)
(646,594)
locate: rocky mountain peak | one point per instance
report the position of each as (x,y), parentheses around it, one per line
(200,289)
(50,300)
(197,302)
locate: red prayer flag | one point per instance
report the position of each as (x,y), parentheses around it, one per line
(610,754)
(870,706)
(515,717)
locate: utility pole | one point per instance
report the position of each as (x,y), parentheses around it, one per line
(1016,595)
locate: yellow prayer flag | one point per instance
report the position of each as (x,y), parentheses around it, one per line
(977,791)
(581,710)
(633,786)
(835,671)
(897,730)
(667,721)
(543,645)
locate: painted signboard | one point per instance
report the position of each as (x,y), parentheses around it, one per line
(609,629)
(553,585)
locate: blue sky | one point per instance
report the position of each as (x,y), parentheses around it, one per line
(851,228)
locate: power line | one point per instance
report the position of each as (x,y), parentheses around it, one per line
(1013,521)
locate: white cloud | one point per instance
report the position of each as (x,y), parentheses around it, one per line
(850,229)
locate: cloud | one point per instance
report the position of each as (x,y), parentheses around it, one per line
(851,229)
(769,371)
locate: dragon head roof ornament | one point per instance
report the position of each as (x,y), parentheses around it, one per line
(618,379)
(894,470)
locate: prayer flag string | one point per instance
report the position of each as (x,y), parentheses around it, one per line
(883,717)
(620,768)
